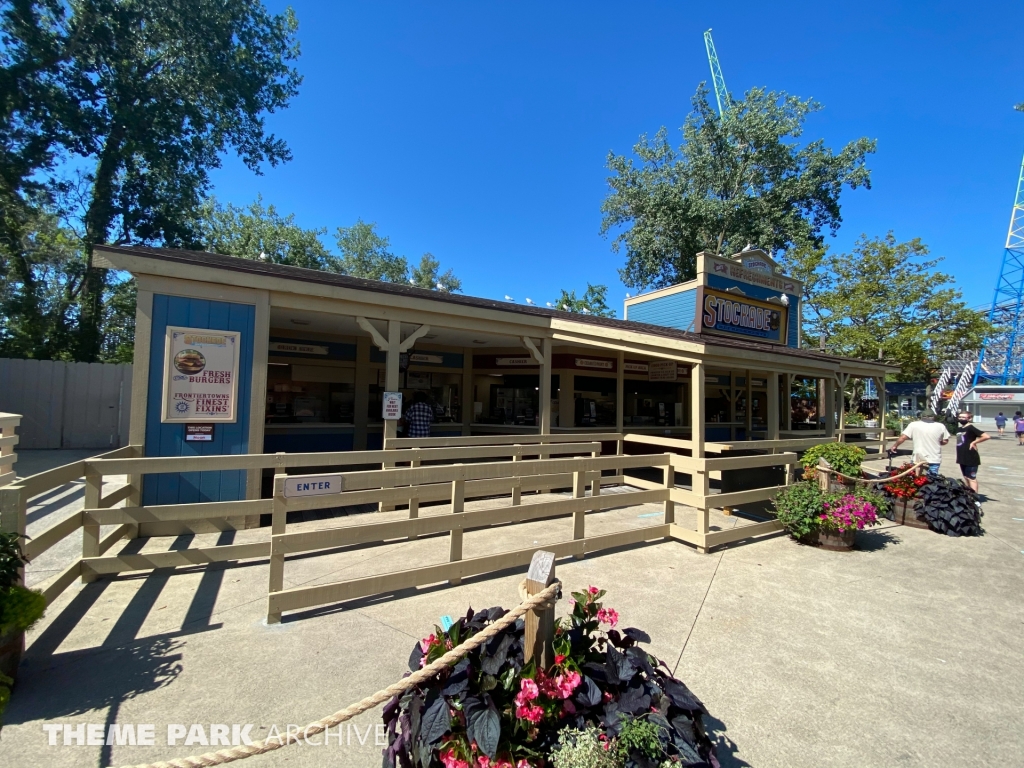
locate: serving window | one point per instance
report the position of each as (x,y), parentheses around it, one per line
(308,394)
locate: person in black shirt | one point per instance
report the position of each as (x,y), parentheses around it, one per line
(968,437)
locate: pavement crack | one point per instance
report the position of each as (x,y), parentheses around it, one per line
(696,618)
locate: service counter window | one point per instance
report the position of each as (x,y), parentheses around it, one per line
(507,399)
(654,404)
(308,394)
(594,400)
(443,390)
(759,403)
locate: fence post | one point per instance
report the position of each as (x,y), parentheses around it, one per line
(595,486)
(278,524)
(7,455)
(539,629)
(579,518)
(91,531)
(13,503)
(670,483)
(458,505)
(517,488)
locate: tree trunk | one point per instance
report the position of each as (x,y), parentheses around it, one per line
(97,224)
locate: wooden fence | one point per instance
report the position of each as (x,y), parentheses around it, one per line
(408,472)
(8,439)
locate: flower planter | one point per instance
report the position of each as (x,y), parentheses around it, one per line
(907,512)
(12,646)
(834,541)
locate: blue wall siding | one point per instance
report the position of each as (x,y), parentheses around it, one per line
(673,311)
(169,439)
(760,292)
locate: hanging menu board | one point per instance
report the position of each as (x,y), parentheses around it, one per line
(200,375)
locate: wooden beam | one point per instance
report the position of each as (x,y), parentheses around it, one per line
(413,337)
(378,340)
(545,387)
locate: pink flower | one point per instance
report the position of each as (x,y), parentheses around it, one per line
(572,602)
(606,697)
(483,762)
(530,712)
(528,690)
(523,764)
(559,658)
(593,590)
(567,683)
(451,760)
(608,616)
(426,642)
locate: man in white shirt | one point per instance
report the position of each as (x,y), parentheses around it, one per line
(928,436)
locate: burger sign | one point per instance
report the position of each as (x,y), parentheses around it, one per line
(200,375)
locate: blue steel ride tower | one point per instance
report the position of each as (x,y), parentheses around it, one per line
(1002,357)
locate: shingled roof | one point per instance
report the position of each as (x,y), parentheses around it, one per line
(285,272)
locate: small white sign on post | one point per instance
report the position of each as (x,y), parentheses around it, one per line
(312,485)
(392,406)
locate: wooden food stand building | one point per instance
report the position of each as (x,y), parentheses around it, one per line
(235,356)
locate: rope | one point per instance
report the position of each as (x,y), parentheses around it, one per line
(524,595)
(879,481)
(543,599)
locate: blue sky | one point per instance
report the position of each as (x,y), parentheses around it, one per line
(479,131)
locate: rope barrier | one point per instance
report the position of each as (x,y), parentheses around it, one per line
(542,599)
(879,481)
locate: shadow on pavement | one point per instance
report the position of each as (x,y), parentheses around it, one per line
(875,540)
(725,748)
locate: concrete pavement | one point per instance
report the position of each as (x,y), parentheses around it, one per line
(906,652)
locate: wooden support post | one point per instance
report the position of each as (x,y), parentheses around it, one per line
(701,486)
(539,624)
(787,408)
(579,518)
(670,483)
(91,533)
(391,372)
(882,407)
(595,485)
(467,391)
(566,400)
(13,505)
(829,385)
(458,506)
(620,394)
(545,387)
(773,405)
(365,377)
(517,488)
(278,525)
(414,512)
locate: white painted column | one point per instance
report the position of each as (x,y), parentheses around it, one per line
(545,387)
(787,405)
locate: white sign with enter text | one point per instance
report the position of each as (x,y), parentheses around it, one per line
(312,485)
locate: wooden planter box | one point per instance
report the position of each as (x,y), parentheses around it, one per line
(907,512)
(12,646)
(834,541)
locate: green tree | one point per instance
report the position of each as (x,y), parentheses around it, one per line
(366,254)
(744,179)
(160,92)
(888,296)
(428,275)
(258,231)
(592,302)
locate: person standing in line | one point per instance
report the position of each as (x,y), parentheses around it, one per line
(419,416)
(928,437)
(1000,423)
(968,437)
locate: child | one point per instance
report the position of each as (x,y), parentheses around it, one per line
(1018,426)
(1000,423)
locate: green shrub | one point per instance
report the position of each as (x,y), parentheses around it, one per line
(11,559)
(20,608)
(588,748)
(842,457)
(798,508)
(853,419)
